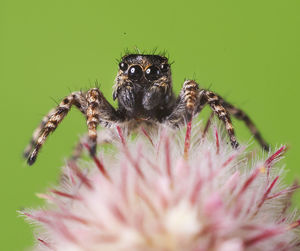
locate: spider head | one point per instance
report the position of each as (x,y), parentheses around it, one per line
(143,70)
(137,75)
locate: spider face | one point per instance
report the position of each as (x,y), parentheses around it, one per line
(144,69)
(143,83)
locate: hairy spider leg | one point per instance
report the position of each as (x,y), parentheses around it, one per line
(214,101)
(241,115)
(50,123)
(99,110)
(191,101)
(185,105)
(36,134)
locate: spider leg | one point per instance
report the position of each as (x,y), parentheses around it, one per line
(106,137)
(241,115)
(77,151)
(36,134)
(191,101)
(215,102)
(99,110)
(185,105)
(50,123)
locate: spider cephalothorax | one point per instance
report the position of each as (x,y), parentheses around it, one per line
(143,88)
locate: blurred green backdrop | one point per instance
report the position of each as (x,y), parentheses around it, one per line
(247,51)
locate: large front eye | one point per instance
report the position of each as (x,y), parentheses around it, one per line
(123,66)
(135,72)
(152,73)
(164,67)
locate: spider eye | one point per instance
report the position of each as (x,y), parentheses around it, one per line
(152,73)
(164,67)
(135,72)
(123,66)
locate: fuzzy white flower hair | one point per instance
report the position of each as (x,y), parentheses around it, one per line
(167,192)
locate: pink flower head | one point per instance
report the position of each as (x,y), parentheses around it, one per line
(170,191)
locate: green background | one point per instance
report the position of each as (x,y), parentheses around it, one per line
(247,51)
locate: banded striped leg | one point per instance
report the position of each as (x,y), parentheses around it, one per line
(241,115)
(99,110)
(186,104)
(51,121)
(36,134)
(190,94)
(191,101)
(215,102)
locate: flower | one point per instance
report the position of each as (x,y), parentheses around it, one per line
(170,191)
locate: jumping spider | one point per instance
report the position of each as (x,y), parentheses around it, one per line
(143,88)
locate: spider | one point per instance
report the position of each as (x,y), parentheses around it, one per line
(143,89)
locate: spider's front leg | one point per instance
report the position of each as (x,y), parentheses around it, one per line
(186,105)
(191,101)
(50,123)
(99,111)
(93,105)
